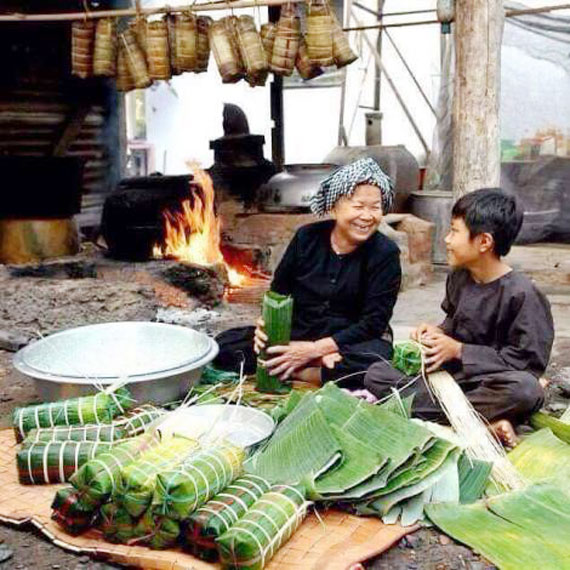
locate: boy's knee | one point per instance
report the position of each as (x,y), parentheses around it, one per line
(528,393)
(379,372)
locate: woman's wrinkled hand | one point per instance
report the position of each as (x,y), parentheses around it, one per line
(287,359)
(330,360)
(259,336)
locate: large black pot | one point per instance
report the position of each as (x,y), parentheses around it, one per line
(133,215)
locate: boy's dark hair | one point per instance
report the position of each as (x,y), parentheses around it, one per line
(490,210)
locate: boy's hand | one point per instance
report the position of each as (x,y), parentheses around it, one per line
(424,329)
(440,348)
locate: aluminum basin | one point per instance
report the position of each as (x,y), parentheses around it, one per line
(159,361)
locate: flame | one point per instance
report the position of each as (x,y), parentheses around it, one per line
(194,235)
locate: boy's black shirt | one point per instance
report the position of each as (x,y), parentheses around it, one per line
(503,325)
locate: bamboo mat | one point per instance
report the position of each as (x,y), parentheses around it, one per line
(333,544)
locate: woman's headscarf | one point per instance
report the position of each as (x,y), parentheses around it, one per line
(343,181)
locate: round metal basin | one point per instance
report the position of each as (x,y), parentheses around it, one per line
(239,425)
(159,361)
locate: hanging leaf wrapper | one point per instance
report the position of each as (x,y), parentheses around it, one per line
(82,41)
(136,60)
(305,66)
(286,43)
(105,49)
(203,43)
(252,51)
(319,36)
(158,50)
(223,42)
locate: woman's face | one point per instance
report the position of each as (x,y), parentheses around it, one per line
(358,216)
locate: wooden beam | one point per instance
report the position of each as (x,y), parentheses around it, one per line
(71,129)
(476,136)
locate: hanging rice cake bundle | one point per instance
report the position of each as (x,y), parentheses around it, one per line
(98,409)
(158,50)
(342,52)
(305,66)
(170,20)
(156,531)
(136,59)
(97,480)
(137,421)
(69,513)
(82,40)
(267,33)
(225,50)
(89,432)
(253,540)
(217,516)
(252,51)
(105,49)
(55,462)
(139,27)
(277,312)
(184,48)
(319,36)
(116,524)
(124,80)
(203,44)
(286,43)
(180,492)
(138,479)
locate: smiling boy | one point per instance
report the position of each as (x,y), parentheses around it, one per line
(498,331)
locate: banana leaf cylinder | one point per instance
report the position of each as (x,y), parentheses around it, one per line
(225,50)
(203,43)
(319,35)
(139,419)
(267,32)
(180,492)
(286,43)
(124,80)
(253,540)
(184,49)
(55,462)
(158,50)
(342,52)
(73,517)
(105,49)
(100,432)
(277,312)
(82,42)
(217,516)
(136,59)
(305,66)
(252,51)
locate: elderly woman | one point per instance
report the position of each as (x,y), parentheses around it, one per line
(344,278)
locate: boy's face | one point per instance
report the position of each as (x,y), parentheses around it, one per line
(462,249)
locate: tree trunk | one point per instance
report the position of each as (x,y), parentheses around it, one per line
(476,152)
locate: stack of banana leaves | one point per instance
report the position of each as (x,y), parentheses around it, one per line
(527,528)
(369,458)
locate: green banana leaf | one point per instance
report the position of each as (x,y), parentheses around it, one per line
(473,478)
(559,428)
(156,531)
(116,524)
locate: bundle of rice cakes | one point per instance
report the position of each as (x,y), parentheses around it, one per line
(214,518)
(100,408)
(181,491)
(253,540)
(137,479)
(69,513)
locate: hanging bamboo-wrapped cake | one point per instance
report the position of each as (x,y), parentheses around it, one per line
(82,39)
(225,51)
(124,80)
(158,50)
(135,57)
(305,66)
(267,34)
(184,44)
(105,49)
(286,43)
(139,27)
(319,36)
(342,52)
(252,51)
(203,44)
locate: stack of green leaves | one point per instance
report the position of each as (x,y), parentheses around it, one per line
(180,491)
(254,539)
(277,312)
(69,513)
(137,480)
(407,357)
(97,480)
(57,461)
(217,516)
(100,408)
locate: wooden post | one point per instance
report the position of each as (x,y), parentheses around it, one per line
(476,144)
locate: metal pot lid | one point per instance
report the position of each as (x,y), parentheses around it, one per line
(114,350)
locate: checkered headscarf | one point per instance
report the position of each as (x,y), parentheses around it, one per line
(344,180)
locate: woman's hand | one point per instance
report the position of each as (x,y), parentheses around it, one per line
(287,359)
(440,349)
(259,337)
(330,360)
